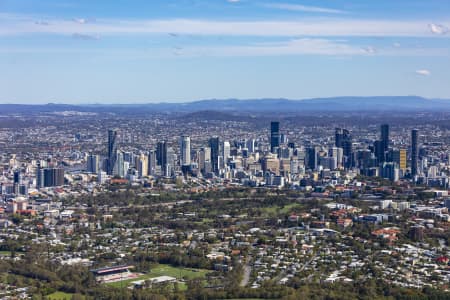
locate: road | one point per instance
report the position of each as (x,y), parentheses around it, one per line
(247,272)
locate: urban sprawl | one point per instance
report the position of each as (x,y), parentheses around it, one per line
(98,207)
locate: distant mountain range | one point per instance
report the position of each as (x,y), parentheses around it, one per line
(382,103)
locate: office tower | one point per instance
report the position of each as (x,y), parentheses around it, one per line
(214,144)
(385,136)
(170,162)
(130,157)
(402,162)
(343,140)
(142,165)
(17,177)
(379,152)
(17,181)
(311,158)
(399,157)
(161,153)
(204,160)
(119,166)
(432,172)
(346,140)
(185,150)
(285,152)
(390,171)
(152,162)
(92,163)
(274,136)
(112,151)
(294,166)
(53,177)
(414,151)
(226,149)
(337,153)
(270,163)
(328,162)
(338,137)
(39,176)
(251,145)
(101,177)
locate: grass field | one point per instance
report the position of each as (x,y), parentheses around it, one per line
(5,253)
(59,296)
(185,273)
(165,270)
(278,210)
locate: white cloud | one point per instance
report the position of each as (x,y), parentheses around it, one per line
(80,20)
(303,8)
(303,46)
(86,37)
(43,23)
(369,50)
(310,27)
(423,72)
(293,47)
(438,28)
(233,1)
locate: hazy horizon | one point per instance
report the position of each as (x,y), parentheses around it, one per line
(368,98)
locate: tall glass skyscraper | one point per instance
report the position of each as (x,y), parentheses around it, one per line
(112,151)
(385,136)
(214,144)
(274,136)
(414,151)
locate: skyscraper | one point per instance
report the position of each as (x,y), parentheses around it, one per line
(274,136)
(204,160)
(185,149)
(214,144)
(17,177)
(312,160)
(161,153)
(385,137)
(112,151)
(53,177)
(142,165)
(226,149)
(380,154)
(389,171)
(251,145)
(338,137)
(414,151)
(92,163)
(119,166)
(170,162)
(343,140)
(152,162)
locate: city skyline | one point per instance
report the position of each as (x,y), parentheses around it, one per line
(171,51)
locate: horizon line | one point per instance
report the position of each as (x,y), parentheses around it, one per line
(81,103)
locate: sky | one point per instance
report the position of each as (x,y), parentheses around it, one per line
(142,51)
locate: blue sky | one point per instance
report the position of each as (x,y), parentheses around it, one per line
(130,51)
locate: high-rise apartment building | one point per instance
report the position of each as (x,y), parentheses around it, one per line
(414,151)
(185,150)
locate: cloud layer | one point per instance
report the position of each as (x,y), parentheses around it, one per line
(19,25)
(423,72)
(303,8)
